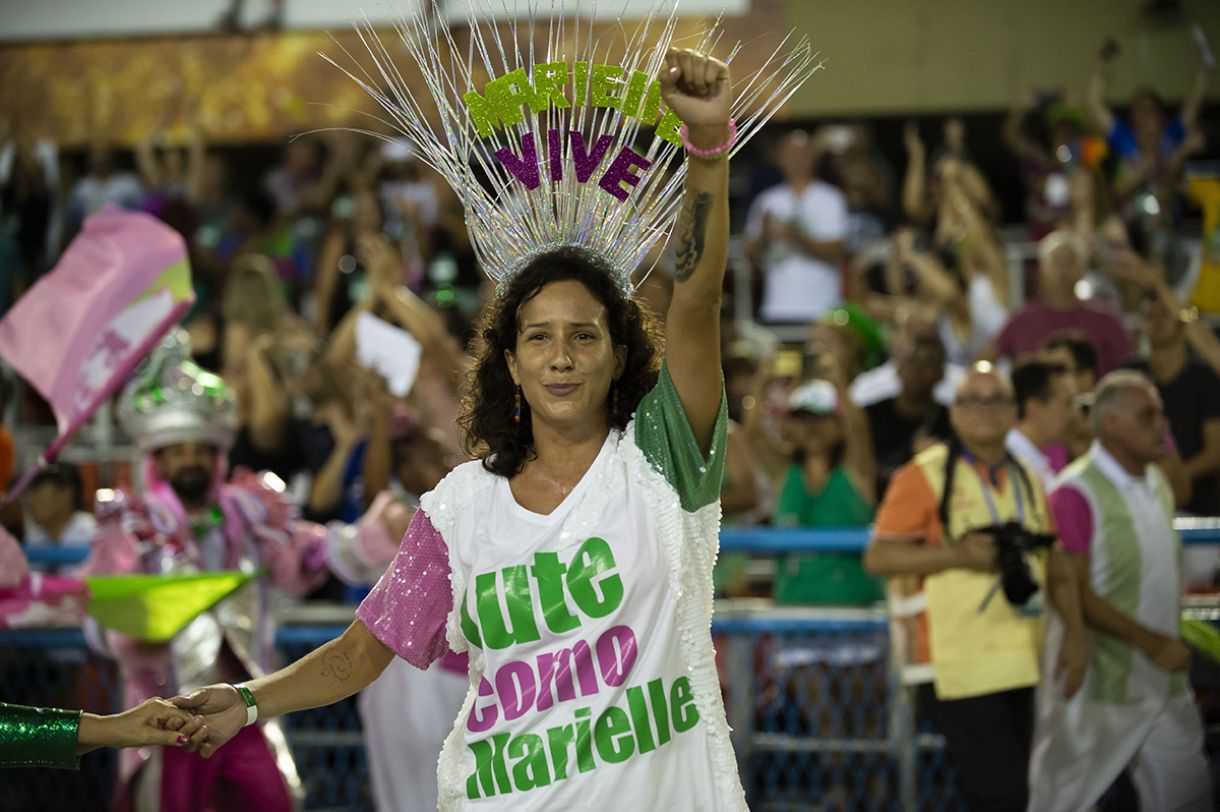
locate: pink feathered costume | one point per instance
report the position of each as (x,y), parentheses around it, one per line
(256,528)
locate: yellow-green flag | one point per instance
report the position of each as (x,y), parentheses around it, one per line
(156,607)
(1202,636)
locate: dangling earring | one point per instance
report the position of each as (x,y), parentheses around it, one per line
(613,399)
(517,405)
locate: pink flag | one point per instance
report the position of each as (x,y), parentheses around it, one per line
(77,334)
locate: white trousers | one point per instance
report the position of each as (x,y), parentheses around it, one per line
(407,713)
(1080,751)
(1169,769)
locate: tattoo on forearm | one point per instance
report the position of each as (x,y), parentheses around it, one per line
(337,664)
(692,235)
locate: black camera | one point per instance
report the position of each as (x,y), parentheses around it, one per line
(1013,542)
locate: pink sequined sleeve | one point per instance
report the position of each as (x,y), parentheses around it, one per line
(410,604)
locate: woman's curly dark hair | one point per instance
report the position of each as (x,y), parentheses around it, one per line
(487,409)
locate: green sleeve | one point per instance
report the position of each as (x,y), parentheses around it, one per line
(38,737)
(664,435)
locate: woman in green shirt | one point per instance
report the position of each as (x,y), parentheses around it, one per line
(829,483)
(51,737)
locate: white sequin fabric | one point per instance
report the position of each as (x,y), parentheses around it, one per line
(689,542)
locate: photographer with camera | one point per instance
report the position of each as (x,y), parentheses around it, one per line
(969,613)
(1114,510)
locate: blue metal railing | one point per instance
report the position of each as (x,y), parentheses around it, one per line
(68,553)
(789,721)
(771,540)
(316,634)
(761,540)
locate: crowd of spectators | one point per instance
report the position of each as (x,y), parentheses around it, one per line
(875,290)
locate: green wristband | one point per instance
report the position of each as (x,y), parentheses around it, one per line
(247,696)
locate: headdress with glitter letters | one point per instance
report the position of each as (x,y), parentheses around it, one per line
(558,147)
(172,400)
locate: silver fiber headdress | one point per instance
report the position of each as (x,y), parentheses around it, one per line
(171,400)
(545,142)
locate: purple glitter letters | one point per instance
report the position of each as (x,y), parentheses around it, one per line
(585,161)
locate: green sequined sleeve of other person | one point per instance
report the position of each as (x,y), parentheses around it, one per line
(38,737)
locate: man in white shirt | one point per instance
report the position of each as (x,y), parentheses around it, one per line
(796,233)
(1136,712)
(1046,396)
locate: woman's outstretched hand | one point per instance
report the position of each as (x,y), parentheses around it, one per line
(223,714)
(154,722)
(698,89)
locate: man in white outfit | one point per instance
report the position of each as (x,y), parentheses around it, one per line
(1136,711)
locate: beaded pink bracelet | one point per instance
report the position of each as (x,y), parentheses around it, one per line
(715,152)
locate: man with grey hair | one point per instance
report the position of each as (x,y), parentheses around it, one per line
(1114,512)
(1061,263)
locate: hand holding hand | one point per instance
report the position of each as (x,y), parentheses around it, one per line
(223,714)
(153,722)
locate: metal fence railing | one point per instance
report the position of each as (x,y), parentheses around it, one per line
(820,718)
(759,540)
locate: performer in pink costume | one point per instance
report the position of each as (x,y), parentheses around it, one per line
(190,520)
